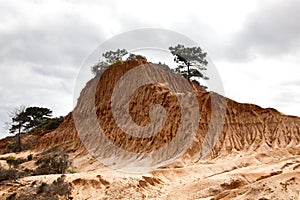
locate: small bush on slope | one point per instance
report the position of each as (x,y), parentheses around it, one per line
(52,164)
(58,189)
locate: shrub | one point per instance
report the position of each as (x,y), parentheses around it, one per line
(58,189)
(41,189)
(13,161)
(51,191)
(214,191)
(29,157)
(27,170)
(59,186)
(52,164)
(10,160)
(12,196)
(15,146)
(8,174)
(140,57)
(72,170)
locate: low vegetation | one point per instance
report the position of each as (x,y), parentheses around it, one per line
(52,164)
(8,174)
(58,189)
(52,161)
(13,161)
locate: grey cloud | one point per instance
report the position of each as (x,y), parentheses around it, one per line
(57,100)
(39,63)
(55,71)
(287,100)
(288,96)
(273,29)
(53,42)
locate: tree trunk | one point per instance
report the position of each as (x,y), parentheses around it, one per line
(188,70)
(18,141)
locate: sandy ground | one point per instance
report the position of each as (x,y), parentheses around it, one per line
(271,175)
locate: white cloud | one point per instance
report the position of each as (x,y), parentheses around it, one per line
(272,30)
(268,82)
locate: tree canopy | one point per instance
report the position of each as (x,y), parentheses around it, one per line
(114,56)
(27,119)
(191,61)
(24,120)
(111,57)
(37,116)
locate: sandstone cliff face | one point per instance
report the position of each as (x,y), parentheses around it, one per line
(247,127)
(224,125)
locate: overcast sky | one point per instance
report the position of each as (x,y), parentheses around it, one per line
(255,45)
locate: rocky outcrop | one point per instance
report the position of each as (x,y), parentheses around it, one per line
(225,126)
(248,127)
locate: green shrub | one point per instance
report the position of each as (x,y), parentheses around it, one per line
(27,170)
(13,161)
(10,160)
(42,187)
(72,170)
(29,157)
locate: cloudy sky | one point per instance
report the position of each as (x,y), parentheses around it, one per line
(255,45)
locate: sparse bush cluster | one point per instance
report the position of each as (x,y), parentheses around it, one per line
(52,161)
(13,172)
(52,164)
(58,189)
(14,162)
(8,174)
(15,146)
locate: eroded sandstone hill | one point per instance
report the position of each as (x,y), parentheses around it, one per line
(240,127)
(239,151)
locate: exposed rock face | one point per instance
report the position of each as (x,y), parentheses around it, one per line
(237,126)
(256,151)
(248,127)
